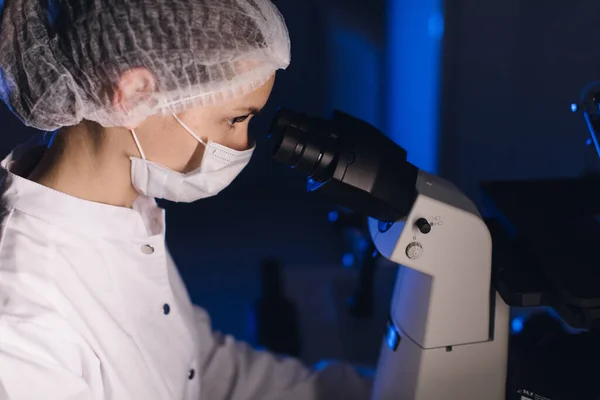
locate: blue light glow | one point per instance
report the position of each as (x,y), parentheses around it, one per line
(416,28)
(52,137)
(574,107)
(516,325)
(392,337)
(52,10)
(363,244)
(348,260)
(321,365)
(333,216)
(436,26)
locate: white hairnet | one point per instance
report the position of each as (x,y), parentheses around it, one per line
(60,60)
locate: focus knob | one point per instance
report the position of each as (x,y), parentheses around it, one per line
(414,250)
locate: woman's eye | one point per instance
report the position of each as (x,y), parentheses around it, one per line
(237,120)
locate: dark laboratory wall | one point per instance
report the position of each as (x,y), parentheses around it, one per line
(511,70)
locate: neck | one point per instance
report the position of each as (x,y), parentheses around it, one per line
(89,164)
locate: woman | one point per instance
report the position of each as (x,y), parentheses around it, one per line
(149,99)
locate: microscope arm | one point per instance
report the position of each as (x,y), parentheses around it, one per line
(448,329)
(450,259)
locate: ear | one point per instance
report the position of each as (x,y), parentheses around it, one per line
(133,87)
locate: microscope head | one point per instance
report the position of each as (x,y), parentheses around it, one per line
(348,160)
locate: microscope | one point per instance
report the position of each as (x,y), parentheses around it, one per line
(448,328)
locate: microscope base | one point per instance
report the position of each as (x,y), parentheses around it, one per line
(466,372)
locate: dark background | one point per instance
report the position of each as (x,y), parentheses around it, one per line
(473,90)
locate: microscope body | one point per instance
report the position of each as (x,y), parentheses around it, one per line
(448,328)
(448,332)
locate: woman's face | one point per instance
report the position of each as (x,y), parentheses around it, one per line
(166,142)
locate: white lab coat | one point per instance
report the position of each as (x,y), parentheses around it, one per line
(92,307)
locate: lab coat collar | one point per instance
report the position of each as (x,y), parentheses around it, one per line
(87,217)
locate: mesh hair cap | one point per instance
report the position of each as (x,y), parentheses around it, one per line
(60,60)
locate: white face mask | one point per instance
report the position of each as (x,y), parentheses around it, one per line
(219,167)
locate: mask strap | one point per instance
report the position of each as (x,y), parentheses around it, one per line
(137,143)
(189,130)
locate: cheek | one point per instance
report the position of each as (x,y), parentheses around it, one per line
(215,131)
(235,138)
(178,153)
(172,148)
(212,131)
(238,140)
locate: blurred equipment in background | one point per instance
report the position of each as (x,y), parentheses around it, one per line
(448,333)
(546,237)
(589,105)
(554,364)
(360,305)
(360,253)
(277,324)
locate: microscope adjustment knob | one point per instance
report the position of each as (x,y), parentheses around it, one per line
(414,250)
(423,225)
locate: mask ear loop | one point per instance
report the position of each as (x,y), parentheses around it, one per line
(137,143)
(189,130)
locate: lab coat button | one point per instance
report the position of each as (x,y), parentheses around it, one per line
(166,309)
(191,374)
(147,249)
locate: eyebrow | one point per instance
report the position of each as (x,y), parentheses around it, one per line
(248,110)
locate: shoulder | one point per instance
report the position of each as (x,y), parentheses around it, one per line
(41,357)
(31,327)
(25,282)
(30,323)
(23,236)
(37,340)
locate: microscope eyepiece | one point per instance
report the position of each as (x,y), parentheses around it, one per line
(305,144)
(347,159)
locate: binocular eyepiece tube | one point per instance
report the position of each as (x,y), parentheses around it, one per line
(349,160)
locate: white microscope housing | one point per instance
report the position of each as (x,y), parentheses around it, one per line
(448,329)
